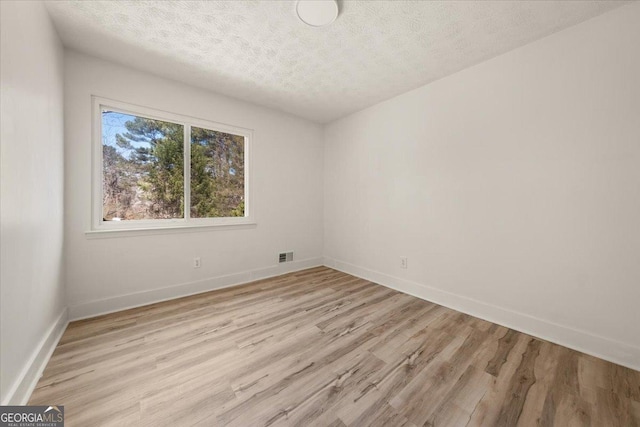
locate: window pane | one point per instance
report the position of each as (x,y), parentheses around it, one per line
(142,168)
(217,174)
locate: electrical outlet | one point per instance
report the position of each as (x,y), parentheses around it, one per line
(196,262)
(404,262)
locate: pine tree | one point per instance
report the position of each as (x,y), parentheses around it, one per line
(143,177)
(217,174)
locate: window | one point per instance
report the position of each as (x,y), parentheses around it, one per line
(154,170)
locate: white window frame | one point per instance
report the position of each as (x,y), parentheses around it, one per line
(100,226)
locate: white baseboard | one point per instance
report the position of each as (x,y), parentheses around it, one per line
(21,390)
(109,305)
(585,342)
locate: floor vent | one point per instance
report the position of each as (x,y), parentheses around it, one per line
(285,257)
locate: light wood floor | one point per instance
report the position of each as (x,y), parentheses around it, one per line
(320,347)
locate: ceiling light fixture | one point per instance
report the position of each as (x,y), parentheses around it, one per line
(317,13)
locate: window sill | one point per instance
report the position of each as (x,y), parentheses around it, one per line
(147,231)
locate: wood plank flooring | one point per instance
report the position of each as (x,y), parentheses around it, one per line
(323,348)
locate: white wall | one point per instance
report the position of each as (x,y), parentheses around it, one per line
(31,291)
(513,187)
(110,274)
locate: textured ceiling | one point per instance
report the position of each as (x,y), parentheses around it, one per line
(260,52)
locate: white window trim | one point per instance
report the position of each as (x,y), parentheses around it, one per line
(162,226)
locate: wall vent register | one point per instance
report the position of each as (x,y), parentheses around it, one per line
(285,257)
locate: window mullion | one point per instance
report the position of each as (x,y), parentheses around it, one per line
(187,172)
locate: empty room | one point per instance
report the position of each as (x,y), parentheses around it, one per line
(320,213)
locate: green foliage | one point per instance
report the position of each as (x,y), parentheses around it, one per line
(217,174)
(144,175)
